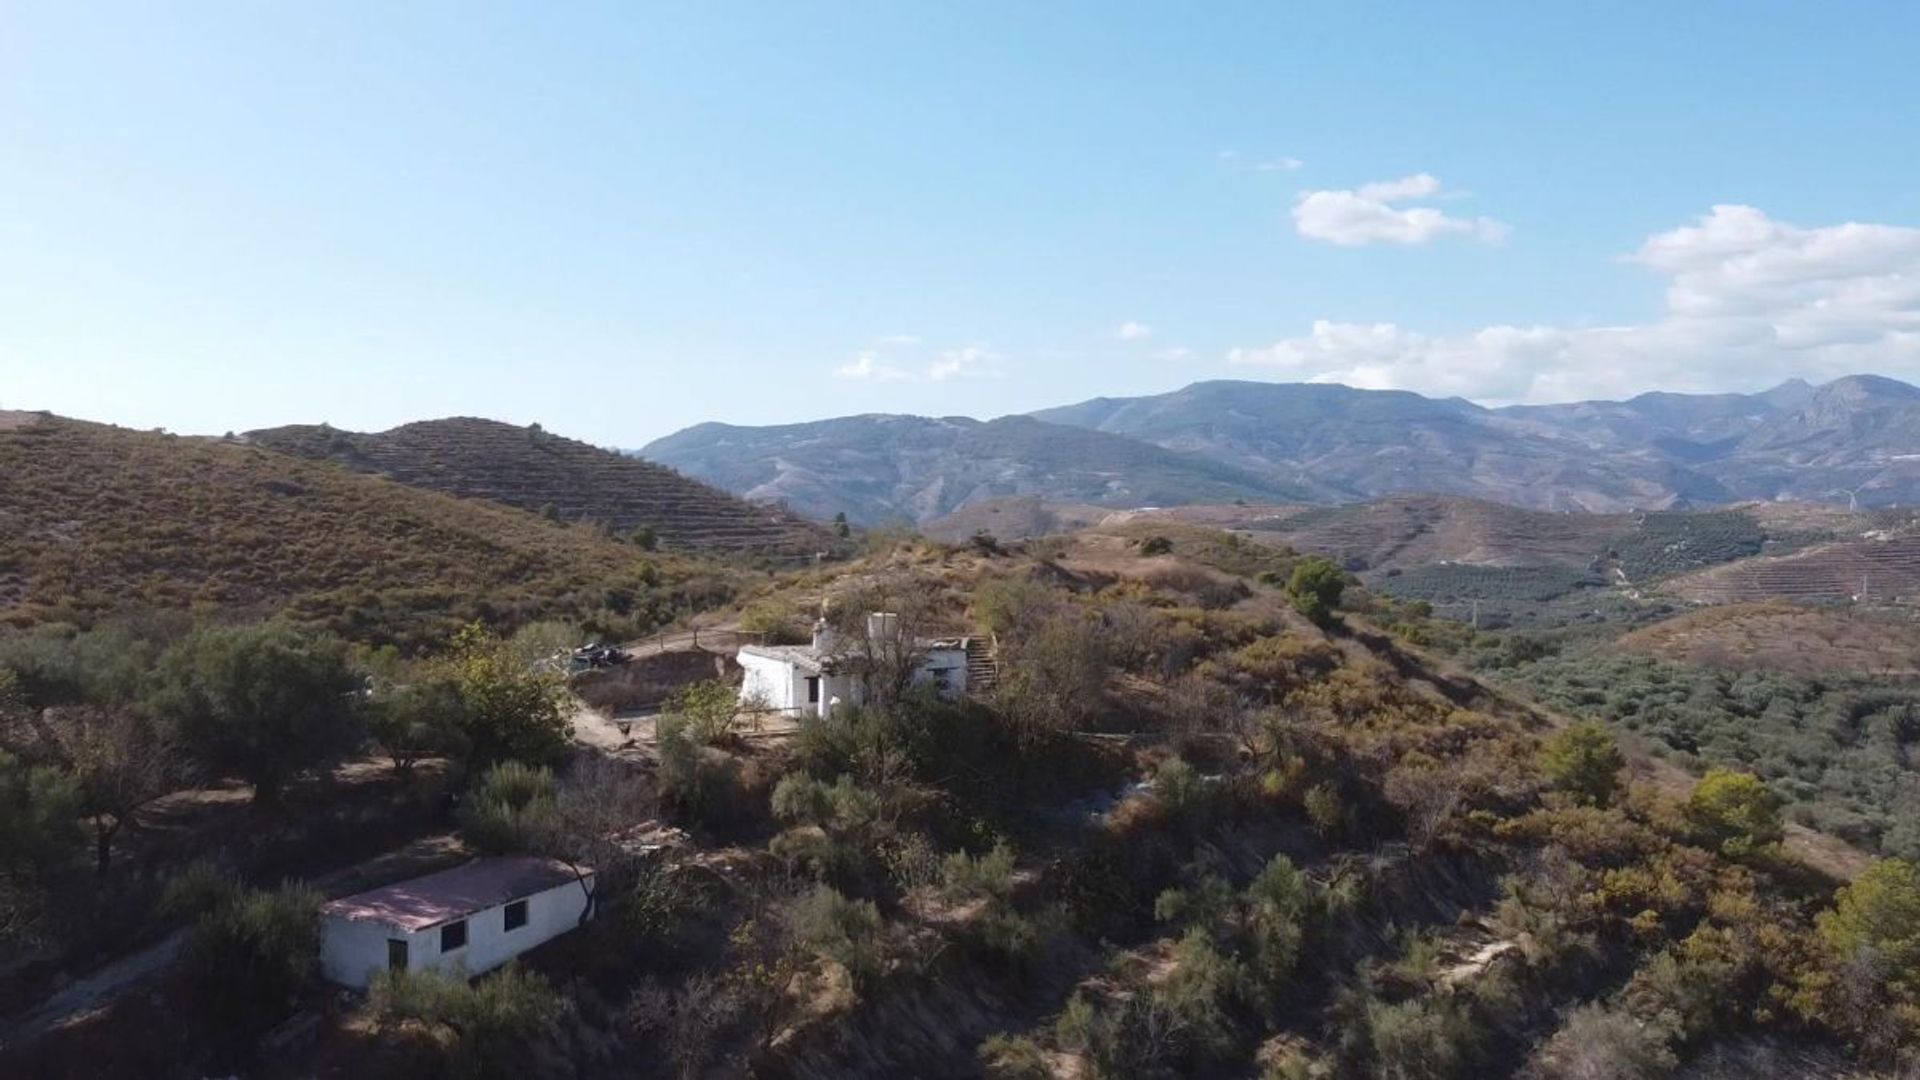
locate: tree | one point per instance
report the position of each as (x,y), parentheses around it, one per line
(265,702)
(841,528)
(1315,589)
(579,819)
(38,808)
(118,762)
(418,720)
(1585,762)
(883,654)
(1876,921)
(509,710)
(644,537)
(1734,813)
(707,709)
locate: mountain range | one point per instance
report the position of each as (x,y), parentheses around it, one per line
(1853,441)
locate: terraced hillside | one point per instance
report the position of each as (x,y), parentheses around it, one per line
(1883,567)
(98,520)
(533,470)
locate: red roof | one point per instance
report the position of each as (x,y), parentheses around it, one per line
(454,894)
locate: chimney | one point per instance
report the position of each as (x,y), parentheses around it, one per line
(883,626)
(822,637)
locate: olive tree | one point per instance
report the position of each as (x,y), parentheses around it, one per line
(264,702)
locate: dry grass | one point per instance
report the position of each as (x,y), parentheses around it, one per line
(1784,638)
(98,520)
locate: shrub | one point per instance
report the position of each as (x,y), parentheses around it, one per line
(834,928)
(509,801)
(1585,762)
(1425,1038)
(251,954)
(1156,545)
(1598,1043)
(1876,920)
(1013,1057)
(480,1030)
(1199,994)
(1734,813)
(1315,589)
(1325,810)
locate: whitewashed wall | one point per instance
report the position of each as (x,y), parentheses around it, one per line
(352,951)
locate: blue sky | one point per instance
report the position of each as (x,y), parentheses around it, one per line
(618,220)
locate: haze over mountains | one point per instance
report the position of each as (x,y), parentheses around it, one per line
(1855,440)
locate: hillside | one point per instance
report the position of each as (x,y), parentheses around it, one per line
(882,468)
(532,469)
(1851,442)
(1188,833)
(1883,566)
(1781,637)
(96,520)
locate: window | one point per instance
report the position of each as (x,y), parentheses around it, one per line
(516,914)
(397,953)
(453,936)
(813,689)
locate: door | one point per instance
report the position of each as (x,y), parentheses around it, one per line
(397,954)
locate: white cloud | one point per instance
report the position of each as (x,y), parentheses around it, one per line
(1272,164)
(1750,301)
(1367,215)
(866,367)
(1133,331)
(900,358)
(965,362)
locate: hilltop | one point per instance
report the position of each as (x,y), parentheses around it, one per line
(538,471)
(1854,442)
(98,520)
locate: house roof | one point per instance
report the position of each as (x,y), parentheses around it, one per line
(810,660)
(800,656)
(453,894)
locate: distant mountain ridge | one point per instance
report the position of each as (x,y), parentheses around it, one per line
(1855,440)
(879,468)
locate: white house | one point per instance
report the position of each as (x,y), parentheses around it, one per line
(809,680)
(471,918)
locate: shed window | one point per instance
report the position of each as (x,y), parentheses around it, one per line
(516,914)
(453,936)
(813,689)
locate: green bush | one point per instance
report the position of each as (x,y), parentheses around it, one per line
(1013,1057)
(1876,919)
(1734,813)
(252,954)
(831,927)
(1585,762)
(484,1030)
(1315,588)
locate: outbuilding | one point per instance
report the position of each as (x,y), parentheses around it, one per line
(468,919)
(809,680)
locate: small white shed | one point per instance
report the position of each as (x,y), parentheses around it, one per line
(807,680)
(471,918)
